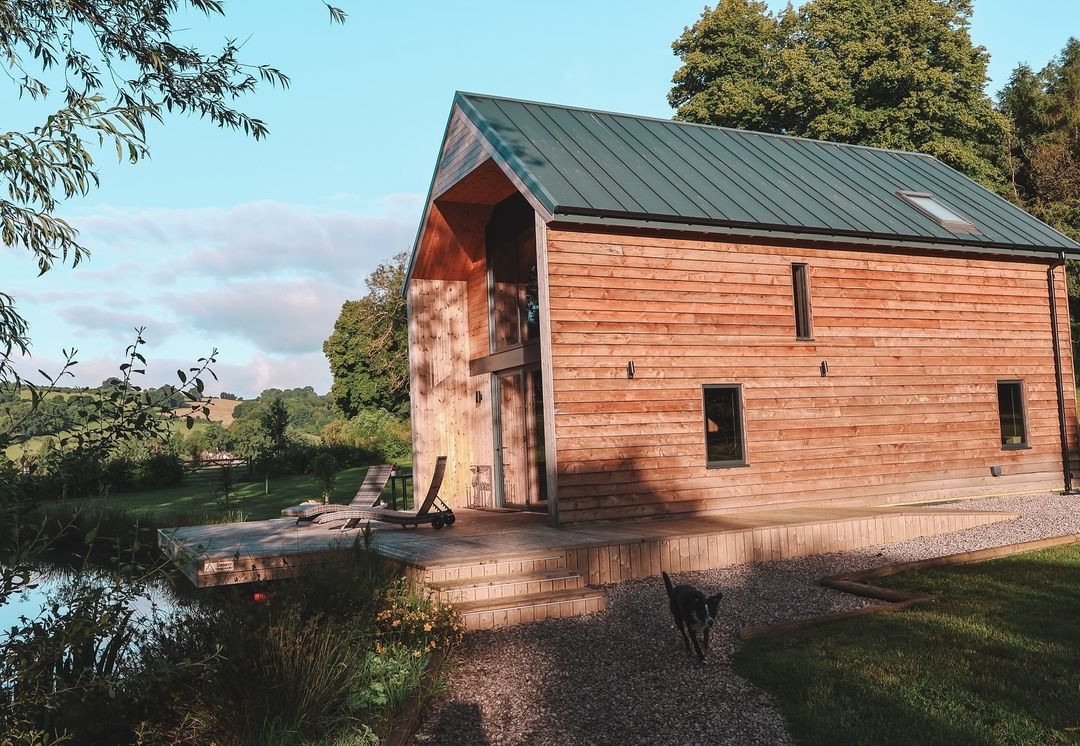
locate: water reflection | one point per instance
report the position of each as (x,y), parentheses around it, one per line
(147,598)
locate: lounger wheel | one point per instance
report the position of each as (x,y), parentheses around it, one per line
(450,519)
(437,522)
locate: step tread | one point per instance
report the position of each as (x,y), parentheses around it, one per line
(498,560)
(507,578)
(529,599)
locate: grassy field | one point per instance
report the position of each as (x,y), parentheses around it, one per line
(995,661)
(201,494)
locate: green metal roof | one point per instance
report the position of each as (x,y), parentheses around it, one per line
(601,165)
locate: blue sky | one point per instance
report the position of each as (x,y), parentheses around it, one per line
(251,247)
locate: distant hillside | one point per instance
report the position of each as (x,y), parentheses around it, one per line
(221,410)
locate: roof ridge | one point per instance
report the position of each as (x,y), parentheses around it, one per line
(468,94)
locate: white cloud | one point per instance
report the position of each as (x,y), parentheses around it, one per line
(262,281)
(278,316)
(255,239)
(119,325)
(247,379)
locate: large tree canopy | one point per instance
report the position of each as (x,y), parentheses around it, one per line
(369,348)
(108,66)
(1044,112)
(892,73)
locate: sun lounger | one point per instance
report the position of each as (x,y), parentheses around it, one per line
(427,513)
(366,497)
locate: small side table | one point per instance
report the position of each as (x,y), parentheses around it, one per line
(403,478)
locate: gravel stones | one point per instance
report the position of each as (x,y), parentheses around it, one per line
(622,676)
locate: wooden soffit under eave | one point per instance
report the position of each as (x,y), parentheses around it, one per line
(471,178)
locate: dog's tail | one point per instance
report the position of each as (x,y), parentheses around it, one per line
(667,583)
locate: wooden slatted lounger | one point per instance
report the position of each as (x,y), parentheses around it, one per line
(366,497)
(442,516)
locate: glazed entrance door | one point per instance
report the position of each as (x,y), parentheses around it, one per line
(520,478)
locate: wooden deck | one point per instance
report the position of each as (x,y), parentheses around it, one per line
(488,543)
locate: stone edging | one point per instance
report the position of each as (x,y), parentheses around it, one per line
(855,583)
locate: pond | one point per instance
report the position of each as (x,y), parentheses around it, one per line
(54,585)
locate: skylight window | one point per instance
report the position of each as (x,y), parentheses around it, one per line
(945,216)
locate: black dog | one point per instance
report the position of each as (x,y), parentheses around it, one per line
(692,609)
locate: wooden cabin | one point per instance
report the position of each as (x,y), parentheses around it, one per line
(614,316)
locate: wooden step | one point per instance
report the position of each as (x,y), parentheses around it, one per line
(501,586)
(530,607)
(503,566)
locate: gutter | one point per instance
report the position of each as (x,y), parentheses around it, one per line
(1058,378)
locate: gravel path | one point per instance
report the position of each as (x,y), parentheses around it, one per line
(622,676)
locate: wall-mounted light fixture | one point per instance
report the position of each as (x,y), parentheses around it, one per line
(630,369)
(824,368)
(479,396)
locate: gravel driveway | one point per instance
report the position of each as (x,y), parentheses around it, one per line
(622,676)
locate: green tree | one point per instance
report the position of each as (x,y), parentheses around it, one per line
(217,438)
(110,68)
(324,469)
(1044,111)
(893,73)
(275,424)
(368,350)
(727,57)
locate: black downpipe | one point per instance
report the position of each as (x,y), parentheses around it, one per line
(1062,425)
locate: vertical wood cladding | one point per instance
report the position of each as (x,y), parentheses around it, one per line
(915,346)
(438,379)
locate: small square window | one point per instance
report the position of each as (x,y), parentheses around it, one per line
(1011,415)
(930,205)
(723,425)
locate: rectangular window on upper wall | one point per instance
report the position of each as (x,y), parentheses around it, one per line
(724,444)
(1011,414)
(800,290)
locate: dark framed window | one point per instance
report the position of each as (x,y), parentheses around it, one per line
(1011,414)
(800,290)
(724,441)
(513,279)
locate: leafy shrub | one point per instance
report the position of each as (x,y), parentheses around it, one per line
(380,433)
(419,623)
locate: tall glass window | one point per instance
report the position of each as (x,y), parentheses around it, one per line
(800,291)
(512,273)
(724,444)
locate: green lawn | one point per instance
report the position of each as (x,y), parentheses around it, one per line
(201,495)
(995,661)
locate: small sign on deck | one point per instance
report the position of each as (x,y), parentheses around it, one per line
(221,565)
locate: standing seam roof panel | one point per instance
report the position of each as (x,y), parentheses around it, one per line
(918,176)
(885,184)
(762,201)
(983,202)
(795,213)
(709,189)
(608,186)
(798,176)
(688,193)
(985,222)
(877,202)
(531,160)
(680,197)
(618,170)
(585,161)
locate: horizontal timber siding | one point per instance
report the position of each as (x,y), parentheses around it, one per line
(915,346)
